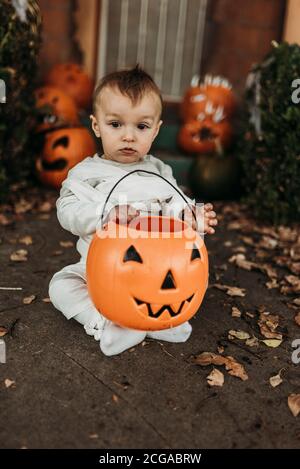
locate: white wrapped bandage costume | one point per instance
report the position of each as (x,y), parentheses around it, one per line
(79,210)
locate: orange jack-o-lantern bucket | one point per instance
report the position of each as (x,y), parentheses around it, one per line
(150,274)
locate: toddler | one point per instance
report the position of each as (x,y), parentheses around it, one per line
(126,116)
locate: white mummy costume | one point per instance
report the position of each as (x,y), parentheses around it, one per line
(79,210)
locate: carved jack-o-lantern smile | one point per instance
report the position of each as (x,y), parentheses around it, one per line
(205,136)
(62,150)
(147,283)
(155,311)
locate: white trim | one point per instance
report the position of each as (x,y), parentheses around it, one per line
(123,34)
(198,50)
(103,20)
(142,33)
(178,59)
(161,42)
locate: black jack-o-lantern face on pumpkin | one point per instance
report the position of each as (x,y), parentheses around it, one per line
(147,283)
(62,150)
(54,109)
(213,96)
(205,135)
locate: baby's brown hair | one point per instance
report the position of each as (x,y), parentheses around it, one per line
(133,83)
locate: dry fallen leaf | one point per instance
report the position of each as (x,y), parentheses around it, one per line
(58,252)
(268,324)
(294,281)
(4,220)
(231,291)
(234,225)
(287,234)
(29,299)
(215,378)
(239,249)
(241,261)
(296,301)
(272,342)
(267,242)
(66,244)
(272,284)
(19,256)
(8,383)
(232,366)
(294,404)
(26,240)
(248,240)
(22,206)
(3,331)
(220,349)
(295,252)
(45,207)
(297,319)
(44,216)
(46,300)
(235,312)
(253,342)
(275,380)
(228,244)
(239,334)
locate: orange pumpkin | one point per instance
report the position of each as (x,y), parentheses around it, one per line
(63,149)
(149,275)
(194,90)
(74,81)
(55,108)
(205,136)
(213,96)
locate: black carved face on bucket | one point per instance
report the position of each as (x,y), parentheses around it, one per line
(150,279)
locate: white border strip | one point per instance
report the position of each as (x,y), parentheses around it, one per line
(179,48)
(199,39)
(121,62)
(161,42)
(142,33)
(102,40)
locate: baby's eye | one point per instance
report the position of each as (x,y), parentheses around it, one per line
(115,124)
(143,126)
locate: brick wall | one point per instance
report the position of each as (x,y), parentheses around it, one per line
(58,34)
(239,33)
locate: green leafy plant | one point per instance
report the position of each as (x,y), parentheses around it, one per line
(19,45)
(270,144)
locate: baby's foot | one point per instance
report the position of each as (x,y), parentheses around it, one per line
(95,327)
(92,321)
(116,339)
(174,334)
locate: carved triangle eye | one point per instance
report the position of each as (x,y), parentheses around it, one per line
(132,255)
(195,253)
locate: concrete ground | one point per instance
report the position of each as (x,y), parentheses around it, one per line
(66,394)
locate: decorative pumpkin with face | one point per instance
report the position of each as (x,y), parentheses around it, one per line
(74,81)
(205,136)
(150,276)
(55,109)
(212,97)
(63,149)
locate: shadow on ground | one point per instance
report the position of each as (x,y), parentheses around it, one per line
(66,394)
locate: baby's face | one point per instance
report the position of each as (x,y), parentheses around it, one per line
(126,130)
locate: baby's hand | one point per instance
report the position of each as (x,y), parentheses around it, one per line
(206,218)
(122,214)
